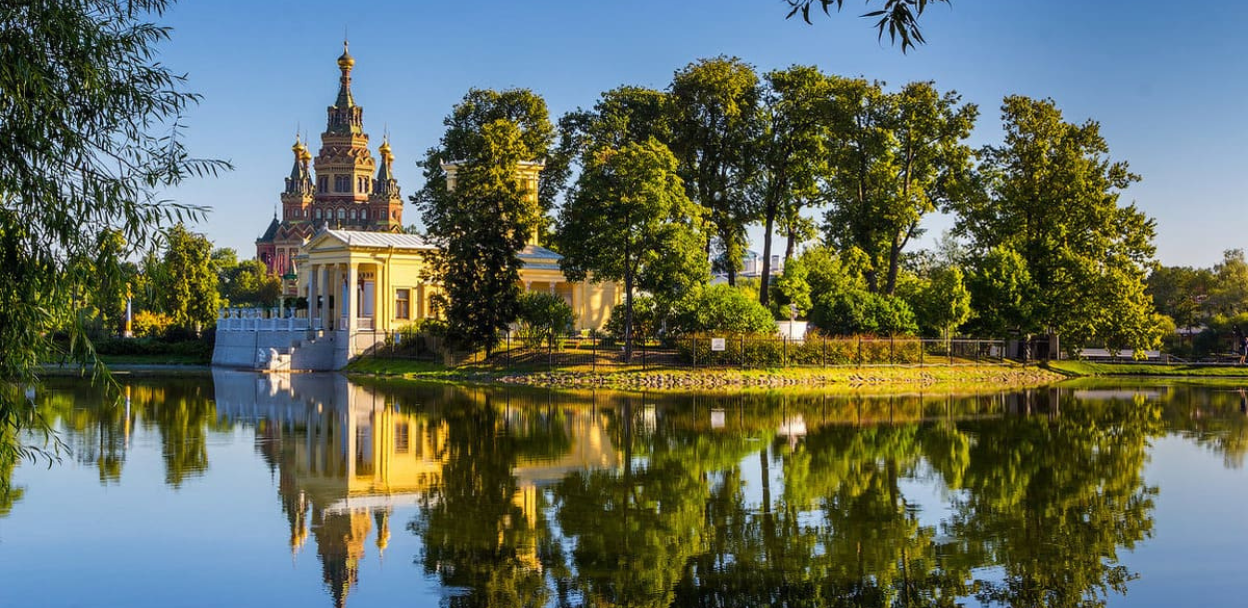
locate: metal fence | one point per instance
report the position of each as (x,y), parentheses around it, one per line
(707,351)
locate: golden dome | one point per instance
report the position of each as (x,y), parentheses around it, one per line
(345,61)
(297,148)
(385,150)
(305,155)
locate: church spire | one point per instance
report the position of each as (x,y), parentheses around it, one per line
(300,180)
(345,63)
(344,115)
(385,187)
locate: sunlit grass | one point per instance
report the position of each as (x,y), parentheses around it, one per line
(1088,368)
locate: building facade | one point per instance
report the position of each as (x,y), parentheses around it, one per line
(342,187)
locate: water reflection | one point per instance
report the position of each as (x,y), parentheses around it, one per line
(530,498)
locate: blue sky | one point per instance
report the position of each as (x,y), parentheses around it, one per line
(1166,83)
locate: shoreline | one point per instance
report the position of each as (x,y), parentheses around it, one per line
(878,378)
(960,377)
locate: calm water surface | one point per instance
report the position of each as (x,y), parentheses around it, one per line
(246,490)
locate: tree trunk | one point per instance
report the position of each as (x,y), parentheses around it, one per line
(894,260)
(789,245)
(628,318)
(764,279)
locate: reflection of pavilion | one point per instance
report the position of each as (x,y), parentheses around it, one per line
(347,457)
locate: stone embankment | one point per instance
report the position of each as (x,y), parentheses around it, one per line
(897,378)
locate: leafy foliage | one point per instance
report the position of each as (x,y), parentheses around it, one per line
(896,158)
(792,150)
(899,17)
(90,133)
(1052,198)
(245,283)
(792,291)
(543,317)
(188,284)
(720,308)
(480,228)
(944,303)
(863,312)
(716,122)
(629,220)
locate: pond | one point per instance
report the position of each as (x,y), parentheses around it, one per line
(238,489)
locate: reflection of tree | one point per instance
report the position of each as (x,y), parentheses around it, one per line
(9,494)
(476,538)
(635,528)
(1215,419)
(1051,499)
(95,424)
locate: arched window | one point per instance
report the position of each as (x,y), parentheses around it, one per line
(353,217)
(342,213)
(318,214)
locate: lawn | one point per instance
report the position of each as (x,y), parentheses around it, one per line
(1088,368)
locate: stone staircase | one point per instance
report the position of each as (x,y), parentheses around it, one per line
(315,353)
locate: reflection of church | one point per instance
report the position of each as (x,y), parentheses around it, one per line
(347,458)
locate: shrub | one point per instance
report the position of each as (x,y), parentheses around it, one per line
(763,350)
(542,317)
(862,312)
(149,324)
(646,320)
(721,308)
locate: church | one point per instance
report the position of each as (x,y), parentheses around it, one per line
(339,244)
(344,187)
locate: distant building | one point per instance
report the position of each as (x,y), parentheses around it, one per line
(752,265)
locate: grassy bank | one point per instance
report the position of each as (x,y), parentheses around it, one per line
(981,376)
(1088,368)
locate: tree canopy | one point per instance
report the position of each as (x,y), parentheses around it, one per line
(480,227)
(629,220)
(1051,197)
(90,135)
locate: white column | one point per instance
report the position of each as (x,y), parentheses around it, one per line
(352,304)
(379,295)
(325,290)
(313,310)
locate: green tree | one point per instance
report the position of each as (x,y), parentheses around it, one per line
(720,308)
(899,17)
(1228,295)
(629,220)
(826,271)
(792,153)
(1052,198)
(945,303)
(896,157)
(1178,291)
(716,122)
(792,290)
(543,316)
(1002,294)
(90,136)
(462,142)
(480,228)
(863,312)
(188,286)
(249,283)
(621,116)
